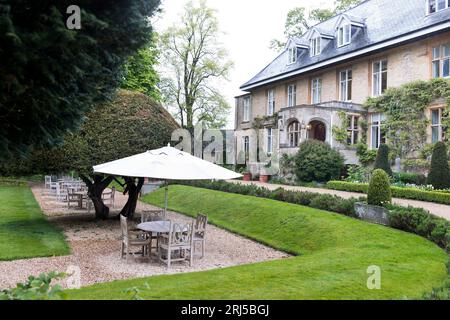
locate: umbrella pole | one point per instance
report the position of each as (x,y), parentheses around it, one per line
(165,197)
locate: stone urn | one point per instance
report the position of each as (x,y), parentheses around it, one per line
(374,214)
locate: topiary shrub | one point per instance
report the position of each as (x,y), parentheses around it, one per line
(439,176)
(382,160)
(379,192)
(317,161)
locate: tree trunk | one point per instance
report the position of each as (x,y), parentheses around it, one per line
(133,191)
(95,191)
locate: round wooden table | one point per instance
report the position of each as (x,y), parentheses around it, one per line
(155,226)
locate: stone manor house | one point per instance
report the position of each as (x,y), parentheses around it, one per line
(336,66)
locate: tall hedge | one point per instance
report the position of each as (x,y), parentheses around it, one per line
(382,160)
(379,192)
(439,176)
(317,161)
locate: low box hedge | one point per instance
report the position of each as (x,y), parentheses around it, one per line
(442,197)
(409,219)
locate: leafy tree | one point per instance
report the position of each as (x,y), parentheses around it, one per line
(140,74)
(298,20)
(317,161)
(379,192)
(439,176)
(195,62)
(50,75)
(382,160)
(132,123)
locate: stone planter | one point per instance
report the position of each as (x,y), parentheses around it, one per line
(247,176)
(264,178)
(374,214)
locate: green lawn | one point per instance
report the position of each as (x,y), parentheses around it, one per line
(24,231)
(332,252)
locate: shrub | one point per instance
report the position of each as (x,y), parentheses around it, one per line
(36,288)
(379,192)
(421,222)
(438,196)
(317,161)
(382,160)
(410,178)
(413,220)
(439,176)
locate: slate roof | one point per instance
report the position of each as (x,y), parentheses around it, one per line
(383,19)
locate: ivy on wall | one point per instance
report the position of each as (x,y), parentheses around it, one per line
(340,133)
(406,122)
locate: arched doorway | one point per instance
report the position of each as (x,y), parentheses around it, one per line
(317,131)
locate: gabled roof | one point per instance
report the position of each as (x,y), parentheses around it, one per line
(386,23)
(350,19)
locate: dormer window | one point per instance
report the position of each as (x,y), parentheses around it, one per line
(292,55)
(344,35)
(434,6)
(315,46)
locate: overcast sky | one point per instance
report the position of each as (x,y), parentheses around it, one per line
(249,25)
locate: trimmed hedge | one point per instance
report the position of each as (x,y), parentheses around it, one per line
(397,192)
(410,178)
(413,220)
(308,199)
(379,192)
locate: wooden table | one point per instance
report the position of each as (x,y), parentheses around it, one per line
(155,226)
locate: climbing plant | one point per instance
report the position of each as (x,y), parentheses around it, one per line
(340,133)
(406,121)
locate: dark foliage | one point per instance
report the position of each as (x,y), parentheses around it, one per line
(382,160)
(439,176)
(50,75)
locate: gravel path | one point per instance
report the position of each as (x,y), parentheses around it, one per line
(440,210)
(95,248)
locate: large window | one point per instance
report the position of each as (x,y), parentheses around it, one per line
(437,132)
(437,5)
(292,95)
(353,130)
(345,92)
(270,102)
(292,55)
(294,131)
(269,140)
(315,46)
(344,35)
(441,61)
(246,148)
(376,128)
(316,88)
(379,78)
(246,111)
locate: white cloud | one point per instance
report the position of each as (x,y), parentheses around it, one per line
(249,25)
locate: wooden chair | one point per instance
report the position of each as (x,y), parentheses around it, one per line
(199,235)
(149,216)
(76,198)
(176,245)
(132,239)
(48,182)
(108,197)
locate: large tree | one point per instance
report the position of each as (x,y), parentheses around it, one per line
(131,123)
(299,20)
(51,75)
(195,63)
(140,73)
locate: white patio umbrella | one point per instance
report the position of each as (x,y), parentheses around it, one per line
(166,164)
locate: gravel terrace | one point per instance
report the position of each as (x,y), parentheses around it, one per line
(95,248)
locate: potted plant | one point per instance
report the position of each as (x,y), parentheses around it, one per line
(264,175)
(247,175)
(378,196)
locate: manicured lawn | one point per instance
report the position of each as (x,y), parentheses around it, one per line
(24,231)
(332,252)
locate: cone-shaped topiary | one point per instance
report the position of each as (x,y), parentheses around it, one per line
(379,192)
(439,176)
(382,160)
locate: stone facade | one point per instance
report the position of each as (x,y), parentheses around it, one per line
(405,63)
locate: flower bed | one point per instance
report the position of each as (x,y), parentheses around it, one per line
(437,196)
